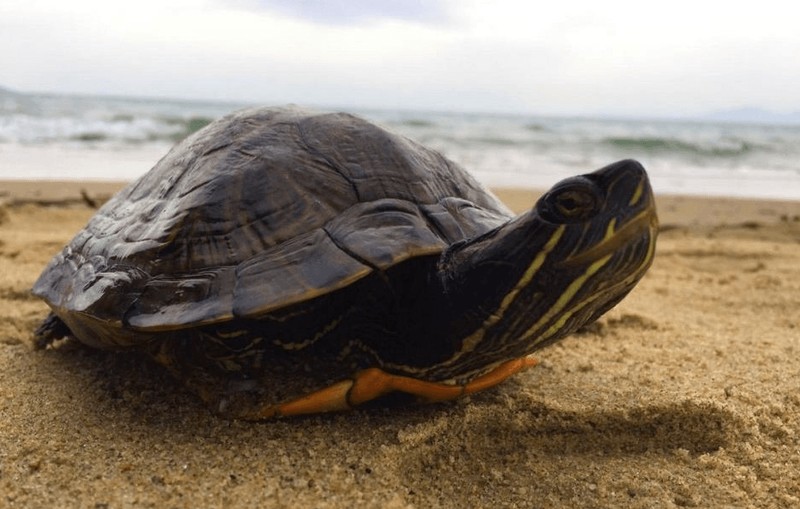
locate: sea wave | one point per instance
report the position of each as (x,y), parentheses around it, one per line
(501,149)
(417,122)
(52,119)
(718,148)
(119,129)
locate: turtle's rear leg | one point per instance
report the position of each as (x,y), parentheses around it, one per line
(50,330)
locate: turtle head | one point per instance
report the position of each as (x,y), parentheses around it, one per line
(603,228)
(573,256)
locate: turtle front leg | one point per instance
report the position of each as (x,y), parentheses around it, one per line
(373,383)
(253,399)
(50,330)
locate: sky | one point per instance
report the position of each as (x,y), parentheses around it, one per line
(628,58)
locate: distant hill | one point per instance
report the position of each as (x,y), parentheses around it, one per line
(754,116)
(6,92)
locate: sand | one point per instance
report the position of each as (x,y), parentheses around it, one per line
(686,394)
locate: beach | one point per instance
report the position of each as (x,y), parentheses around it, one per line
(687,394)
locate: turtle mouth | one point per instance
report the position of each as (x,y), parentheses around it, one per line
(644,223)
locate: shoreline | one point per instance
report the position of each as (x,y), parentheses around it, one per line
(107,165)
(673,209)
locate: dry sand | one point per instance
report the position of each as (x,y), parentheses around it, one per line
(686,394)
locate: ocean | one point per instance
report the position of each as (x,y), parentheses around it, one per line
(106,138)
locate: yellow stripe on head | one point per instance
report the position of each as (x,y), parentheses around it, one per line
(565,298)
(471,341)
(611,229)
(637,194)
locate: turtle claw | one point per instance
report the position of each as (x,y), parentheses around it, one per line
(49,331)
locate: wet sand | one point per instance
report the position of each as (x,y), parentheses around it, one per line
(686,394)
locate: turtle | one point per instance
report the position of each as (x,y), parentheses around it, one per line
(282,261)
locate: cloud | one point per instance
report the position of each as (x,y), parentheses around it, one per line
(352,12)
(570,57)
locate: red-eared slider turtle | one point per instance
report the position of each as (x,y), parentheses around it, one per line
(283,262)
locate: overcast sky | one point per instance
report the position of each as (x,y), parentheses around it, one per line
(673,58)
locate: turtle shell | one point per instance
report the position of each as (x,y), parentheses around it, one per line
(262,209)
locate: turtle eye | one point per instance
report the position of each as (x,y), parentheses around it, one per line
(574,202)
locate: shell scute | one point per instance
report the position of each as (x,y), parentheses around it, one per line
(384,233)
(174,302)
(299,269)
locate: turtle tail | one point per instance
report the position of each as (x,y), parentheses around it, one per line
(50,330)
